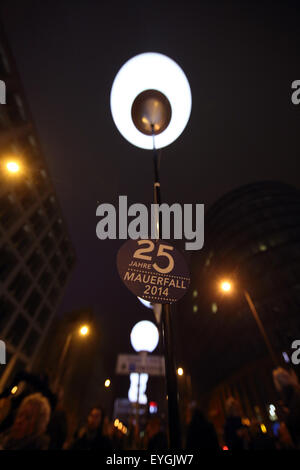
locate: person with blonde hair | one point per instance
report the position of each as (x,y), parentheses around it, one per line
(29,427)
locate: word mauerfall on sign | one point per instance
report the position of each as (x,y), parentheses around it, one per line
(153,270)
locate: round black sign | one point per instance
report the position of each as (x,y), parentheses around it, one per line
(153,270)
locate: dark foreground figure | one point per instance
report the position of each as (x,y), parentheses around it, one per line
(91,437)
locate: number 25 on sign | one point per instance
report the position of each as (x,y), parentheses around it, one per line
(161,252)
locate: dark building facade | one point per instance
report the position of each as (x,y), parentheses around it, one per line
(36,255)
(252,237)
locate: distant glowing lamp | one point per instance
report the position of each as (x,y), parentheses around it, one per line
(263,428)
(12,167)
(144,336)
(225,286)
(150,96)
(84,330)
(107,383)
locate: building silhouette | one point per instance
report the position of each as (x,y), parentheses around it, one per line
(36,255)
(252,237)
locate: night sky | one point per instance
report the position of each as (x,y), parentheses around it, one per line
(240,59)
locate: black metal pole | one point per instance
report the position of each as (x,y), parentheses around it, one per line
(168,344)
(171,379)
(253,310)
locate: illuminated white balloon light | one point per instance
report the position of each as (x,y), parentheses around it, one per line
(144,336)
(150,71)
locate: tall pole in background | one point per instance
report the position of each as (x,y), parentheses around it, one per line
(82,331)
(261,328)
(61,362)
(226,287)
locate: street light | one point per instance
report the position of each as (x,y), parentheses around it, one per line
(150,95)
(12,166)
(84,330)
(144,336)
(180,371)
(107,383)
(227,286)
(151,104)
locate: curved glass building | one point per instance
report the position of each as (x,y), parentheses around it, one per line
(252,238)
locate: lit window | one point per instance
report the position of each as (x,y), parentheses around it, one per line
(262,247)
(214,307)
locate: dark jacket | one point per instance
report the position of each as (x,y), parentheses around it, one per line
(158,442)
(201,434)
(231,438)
(92,441)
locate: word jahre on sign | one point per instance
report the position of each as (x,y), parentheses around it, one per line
(153,270)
